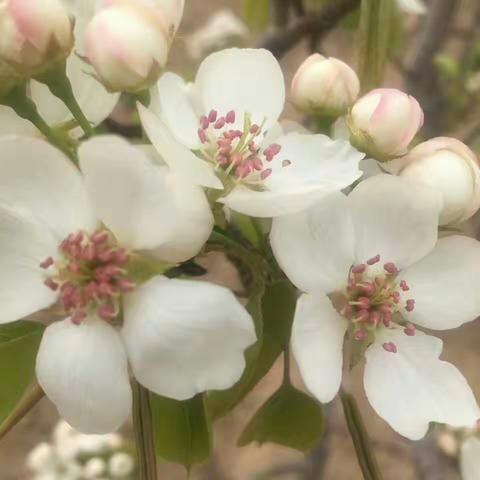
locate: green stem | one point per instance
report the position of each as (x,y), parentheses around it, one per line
(59,84)
(25,108)
(360,438)
(142,423)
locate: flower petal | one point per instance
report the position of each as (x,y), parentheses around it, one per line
(193,221)
(129,192)
(24,244)
(185,337)
(36,177)
(444,284)
(411,388)
(318,166)
(94,100)
(317,344)
(244,80)
(177,111)
(11,123)
(315,248)
(178,157)
(83,370)
(470,458)
(395,218)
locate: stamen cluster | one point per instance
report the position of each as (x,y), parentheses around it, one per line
(372,301)
(89,275)
(236,151)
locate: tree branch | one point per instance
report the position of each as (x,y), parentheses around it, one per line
(280,42)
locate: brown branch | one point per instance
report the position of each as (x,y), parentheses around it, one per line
(281,12)
(280,42)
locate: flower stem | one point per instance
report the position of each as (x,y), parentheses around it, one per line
(142,423)
(25,108)
(59,84)
(360,438)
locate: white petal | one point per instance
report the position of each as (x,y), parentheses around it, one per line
(244,80)
(177,111)
(37,177)
(317,344)
(192,224)
(24,244)
(178,157)
(94,100)
(129,192)
(319,166)
(444,284)
(185,337)
(315,248)
(470,459)
(395,218)
(83,370)
(412,6)
(11,123)
(411,388)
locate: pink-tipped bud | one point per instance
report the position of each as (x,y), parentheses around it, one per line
(286,163)
(47,263)
(128,45)
(357,269)
(202,135)
(99,237)
(204,122)
(254,129)
(230,117)
(390,347)
(390,268)
(410,330)
(212,116)
(384,122)
(220,123)
(404,286)
(410,305)
(266,173)
(452,169)
(51,284)
(36,34)
(373,260)
(324,86)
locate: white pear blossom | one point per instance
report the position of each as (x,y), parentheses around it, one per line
(222,133)
(370,265)
(76,240)
(121,465)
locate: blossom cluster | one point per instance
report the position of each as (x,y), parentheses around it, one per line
(93,240)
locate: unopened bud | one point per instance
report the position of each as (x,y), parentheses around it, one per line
(128,45)
(384,122)
(35,34)
(452,169)
(325,86)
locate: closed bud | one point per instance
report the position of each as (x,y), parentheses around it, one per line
(128,44)
(452,169)
(325,86)
(384,122)
(35,34)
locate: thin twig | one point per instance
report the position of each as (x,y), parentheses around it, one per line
(280,42)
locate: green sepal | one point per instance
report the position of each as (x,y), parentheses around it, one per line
(273,315)
(19,343)
(181,430)
(289,418)
(142,268)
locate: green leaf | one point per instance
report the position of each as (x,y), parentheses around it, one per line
(181,430)
(273,315)
(19,344)
(256,13)
(289,418)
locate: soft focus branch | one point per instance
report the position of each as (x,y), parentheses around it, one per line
(422,76)
(280,42)
(431,463)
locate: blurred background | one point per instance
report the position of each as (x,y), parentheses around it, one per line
(435,57)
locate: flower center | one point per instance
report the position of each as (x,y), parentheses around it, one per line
(89,275)
(371,302)
(236,152)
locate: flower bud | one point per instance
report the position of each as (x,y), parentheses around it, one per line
(128,46)
(34,34)
(452,169)
(384,122)
(325,86)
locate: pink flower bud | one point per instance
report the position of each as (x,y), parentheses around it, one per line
(384,122)
(452,169)
(128,44)
(35,34)
(325,85)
